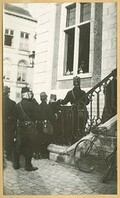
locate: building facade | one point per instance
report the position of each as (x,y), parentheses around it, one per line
(19,29)
(74,39)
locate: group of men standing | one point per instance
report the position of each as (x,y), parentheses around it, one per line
(22,126)
(23,122)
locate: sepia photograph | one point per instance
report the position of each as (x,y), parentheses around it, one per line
(59,98)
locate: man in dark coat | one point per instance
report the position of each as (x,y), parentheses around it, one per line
(9,123)
(46,114)
(75,95)
(26,130)
(77,98)
(56,109)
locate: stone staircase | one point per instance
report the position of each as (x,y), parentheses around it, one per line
(107,140)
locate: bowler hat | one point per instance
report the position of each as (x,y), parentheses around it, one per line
(25,89)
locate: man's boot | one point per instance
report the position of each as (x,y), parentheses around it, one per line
(28,166)
(16,163)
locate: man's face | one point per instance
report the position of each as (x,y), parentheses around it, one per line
(76,84)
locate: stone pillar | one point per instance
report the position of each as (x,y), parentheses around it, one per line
(97,59)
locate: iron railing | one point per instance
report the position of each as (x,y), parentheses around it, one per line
(102,106)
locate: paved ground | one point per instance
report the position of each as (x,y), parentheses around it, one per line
(54,179)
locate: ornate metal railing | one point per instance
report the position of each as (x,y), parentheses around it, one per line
(103,100)
(102,106)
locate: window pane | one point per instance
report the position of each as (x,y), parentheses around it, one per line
(19,76)
(11,32)
(22,35)
(85,12)
(19,73)
(24,77)
(22,70)
(24,42)
(71,15)
(84,45)
(6,31)
(26,36)
(8,40)
(7,76)
(69,51)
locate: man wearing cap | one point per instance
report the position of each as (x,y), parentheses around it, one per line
(56,109)
(26,130)
(46,116)
(9,123)
(77,98)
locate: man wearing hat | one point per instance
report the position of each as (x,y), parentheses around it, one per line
(8,123)
(26,130)
(46,116)
(77,98)
(56,109)
(75,95)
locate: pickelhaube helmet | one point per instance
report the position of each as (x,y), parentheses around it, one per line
(43,96)
(25,89)
(6,90)
(76,80)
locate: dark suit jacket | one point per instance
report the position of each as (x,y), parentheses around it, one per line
(75,96)
(29,107)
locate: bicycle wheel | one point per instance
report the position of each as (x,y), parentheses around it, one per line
(82,155)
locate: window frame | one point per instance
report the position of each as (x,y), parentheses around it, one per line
(24,40)
(7,70)
(9,34)
(77,25)
(20,66)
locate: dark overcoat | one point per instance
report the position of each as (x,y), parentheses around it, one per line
(26,114)
(9,124)
(78,100)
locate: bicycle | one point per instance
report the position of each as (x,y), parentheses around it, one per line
(88,153)
(89,156)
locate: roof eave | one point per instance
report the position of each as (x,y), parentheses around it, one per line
(21,15)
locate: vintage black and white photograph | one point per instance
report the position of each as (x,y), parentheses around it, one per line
(59,98)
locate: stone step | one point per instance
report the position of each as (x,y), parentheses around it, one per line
(105,142)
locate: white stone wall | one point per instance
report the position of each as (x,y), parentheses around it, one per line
(14,54)
(109,38)
(44,49)
(45,42)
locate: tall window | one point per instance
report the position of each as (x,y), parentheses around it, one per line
(77,38)
(24,41)
(8,37)
(84,38)
(69,39)
(6,69)
(22,72)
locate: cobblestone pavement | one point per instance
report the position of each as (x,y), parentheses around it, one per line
(53,178)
